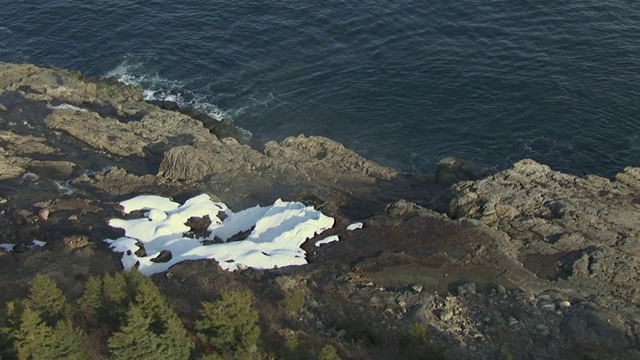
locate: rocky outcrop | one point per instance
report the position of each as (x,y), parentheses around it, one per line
(45,83)
(326,159)
(585,227)
(314,163)
(111,118)
(577,235)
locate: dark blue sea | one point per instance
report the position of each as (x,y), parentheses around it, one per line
(402,82)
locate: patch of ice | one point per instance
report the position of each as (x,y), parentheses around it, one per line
(39,243)
(7,247)
(274,233)
(355,226)
(327,240)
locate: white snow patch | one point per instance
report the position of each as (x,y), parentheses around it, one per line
(327,240)
(39,243)
(7,247)
(149,202)
(66,106)
(355,226)
(275,233)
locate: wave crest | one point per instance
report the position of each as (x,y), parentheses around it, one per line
(155,87)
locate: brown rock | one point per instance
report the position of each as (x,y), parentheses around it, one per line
(43,214)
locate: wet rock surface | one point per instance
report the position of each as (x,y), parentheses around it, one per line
(526,263)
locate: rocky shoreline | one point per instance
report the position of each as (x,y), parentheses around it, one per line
(526,263)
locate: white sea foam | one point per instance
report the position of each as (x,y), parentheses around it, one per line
(155,87)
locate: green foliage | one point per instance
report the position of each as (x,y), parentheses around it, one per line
(328,352)
(103,306)
(145,337)
(126,304)
(69,341)
(212,357)
(415,344)
(293,301)
(106,300)
(40,327)
(230,324)
(121,287)
(417,337)
(46,298)
(31,339)
(291,341)
(151,330)
(124,316)
(92,300)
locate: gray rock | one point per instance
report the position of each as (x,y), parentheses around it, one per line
(543,329)
(467,289)
(445,315)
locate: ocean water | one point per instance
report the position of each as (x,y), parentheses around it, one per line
(404,83)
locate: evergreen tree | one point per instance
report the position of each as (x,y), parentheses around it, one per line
(230,324)
(31,339)
(68,341)
(151,329)
(105,300)
(115,287)
(41,327)
(46,298)
(92,301)
(118,292)
(36,340)
(136,340)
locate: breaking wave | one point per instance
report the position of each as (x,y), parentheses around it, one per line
(155,87)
